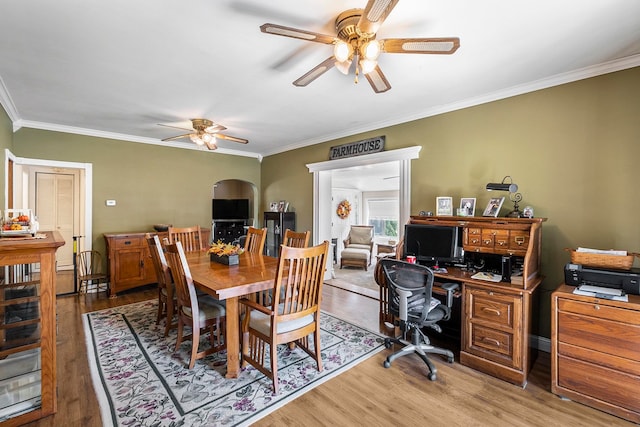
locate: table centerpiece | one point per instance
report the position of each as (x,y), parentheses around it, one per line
(225,253)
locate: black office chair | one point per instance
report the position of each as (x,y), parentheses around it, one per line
(413,306)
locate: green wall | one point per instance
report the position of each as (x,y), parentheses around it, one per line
(151,184)
(573,150)
(5,142)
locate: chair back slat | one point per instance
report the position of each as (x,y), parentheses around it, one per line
(296,239)
(185,290)
(255,240)
(89,263)
(190,237)
(158,259)
(298,285)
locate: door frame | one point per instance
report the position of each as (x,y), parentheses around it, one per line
(86,185)
(322,185)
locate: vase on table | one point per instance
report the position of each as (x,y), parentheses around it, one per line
(226,259)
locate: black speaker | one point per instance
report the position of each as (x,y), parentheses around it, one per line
(506,268)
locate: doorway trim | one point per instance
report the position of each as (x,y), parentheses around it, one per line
(322,185)
(86,184)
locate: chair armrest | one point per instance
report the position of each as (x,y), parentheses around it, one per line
(256,306)
(450,288)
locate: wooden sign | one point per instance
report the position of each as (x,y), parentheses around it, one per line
(358,148)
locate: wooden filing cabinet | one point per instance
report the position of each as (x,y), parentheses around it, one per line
(595,352)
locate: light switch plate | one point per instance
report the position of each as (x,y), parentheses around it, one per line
(110,202)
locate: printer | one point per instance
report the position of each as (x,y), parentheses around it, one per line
(628,280)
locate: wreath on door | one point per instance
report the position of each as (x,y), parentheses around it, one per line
(344,209)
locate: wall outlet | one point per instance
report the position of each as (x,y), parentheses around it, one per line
(110,202)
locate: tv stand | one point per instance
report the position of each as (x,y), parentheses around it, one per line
(496,317)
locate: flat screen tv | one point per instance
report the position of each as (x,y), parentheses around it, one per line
(230,209)
(433,244)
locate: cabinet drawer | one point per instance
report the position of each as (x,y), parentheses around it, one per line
(488,238)
(501,239)
(518,240)
(128,242)
(604,384)
(492,344)
(472,237)
(493,308)
(603,335)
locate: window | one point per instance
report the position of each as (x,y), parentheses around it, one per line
(383,215)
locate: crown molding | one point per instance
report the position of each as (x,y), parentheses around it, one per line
(18,124)
(7,102)
(556,80)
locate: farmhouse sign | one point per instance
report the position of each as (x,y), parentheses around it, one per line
(358,148)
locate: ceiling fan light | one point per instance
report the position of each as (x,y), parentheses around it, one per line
(368,65)
(195,138)
(342,51)
(344,66)
(371,50)
(206,138)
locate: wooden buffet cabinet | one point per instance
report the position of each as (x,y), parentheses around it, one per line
(129,259)
(595,351)
(496,317)
(28,328)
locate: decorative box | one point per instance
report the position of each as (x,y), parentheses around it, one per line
(226,259)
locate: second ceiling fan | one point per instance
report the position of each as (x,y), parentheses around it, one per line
(356,44)
(205,132)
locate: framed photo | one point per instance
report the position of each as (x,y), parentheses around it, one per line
(444,206)
(493,207)
(273,207)
(282,204)
(468,206)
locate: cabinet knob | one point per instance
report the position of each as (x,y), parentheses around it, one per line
(597,307)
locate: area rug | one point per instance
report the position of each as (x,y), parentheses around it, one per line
(141,381)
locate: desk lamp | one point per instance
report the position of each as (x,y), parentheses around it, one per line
(514,196)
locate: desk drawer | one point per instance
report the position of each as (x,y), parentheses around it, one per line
(492,344)
(492,307)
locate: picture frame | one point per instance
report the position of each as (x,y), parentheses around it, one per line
(444,206)
(273,207)
(493,207)
(468,206)
(281,205)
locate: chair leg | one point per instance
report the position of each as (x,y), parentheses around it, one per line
(274,366)
(180,331)
(170,313)
(195,341)
(161,307)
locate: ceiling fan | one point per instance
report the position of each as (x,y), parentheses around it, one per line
(206,132)
(355,43)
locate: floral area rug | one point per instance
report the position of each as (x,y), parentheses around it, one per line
(141,381)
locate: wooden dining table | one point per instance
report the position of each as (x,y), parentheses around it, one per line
(254,273)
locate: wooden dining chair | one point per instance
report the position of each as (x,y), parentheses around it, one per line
(166,288)
(296,239)
(91,274)
(255,240)
(190,237)
(199,312)
(292,316)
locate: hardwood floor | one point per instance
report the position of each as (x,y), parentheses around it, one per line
(367,394)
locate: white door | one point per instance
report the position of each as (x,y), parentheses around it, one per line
(54,209)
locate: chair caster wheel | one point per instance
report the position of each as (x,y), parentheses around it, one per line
(450,359)
(387,343)
(386,364)
(432,376)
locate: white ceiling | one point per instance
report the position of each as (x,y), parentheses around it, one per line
(118,68)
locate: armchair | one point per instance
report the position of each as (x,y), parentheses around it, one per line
(358,247)
(413,306)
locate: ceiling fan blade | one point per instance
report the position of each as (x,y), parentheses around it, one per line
(316,71)
(173,127)
(281,30)
(375,12)
(186,135)
(231,138)
(215,128)
(377,80)
(440,45)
